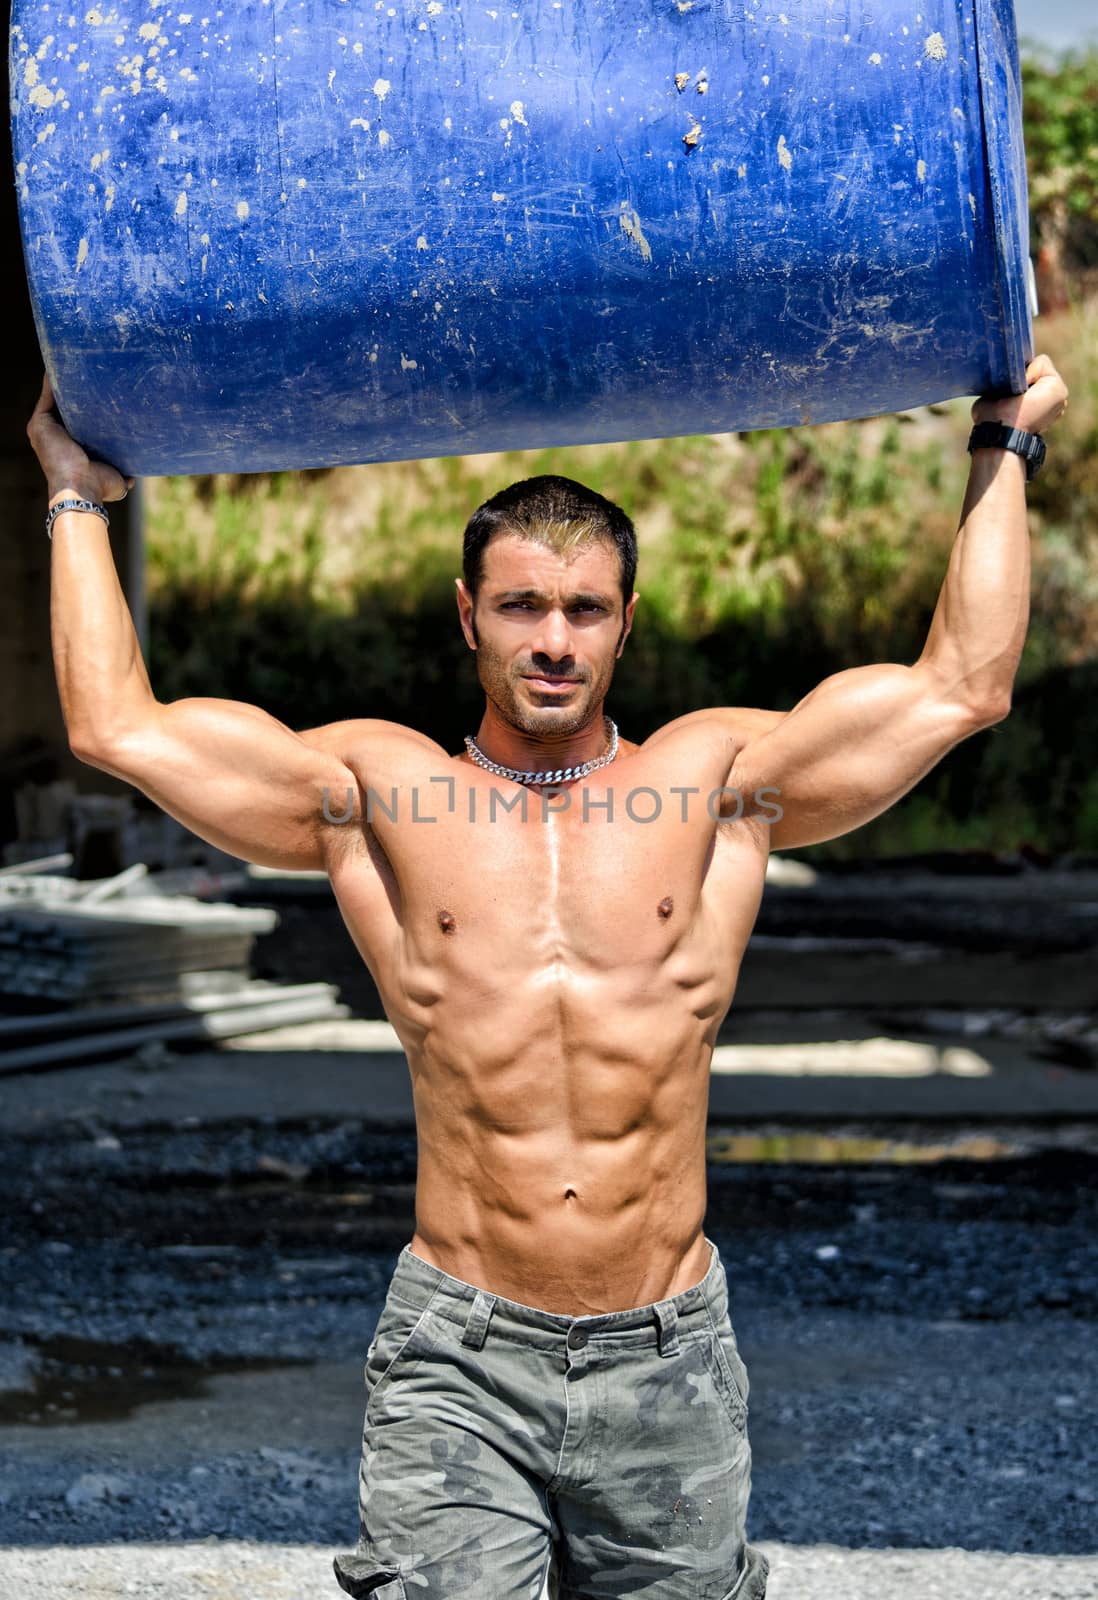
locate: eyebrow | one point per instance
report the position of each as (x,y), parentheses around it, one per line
(584,597)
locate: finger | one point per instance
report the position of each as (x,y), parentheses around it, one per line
(45,398)
(1041,367)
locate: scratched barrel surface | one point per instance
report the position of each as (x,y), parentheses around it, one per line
(308,232)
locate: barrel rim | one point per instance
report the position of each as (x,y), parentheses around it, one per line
(1004,155)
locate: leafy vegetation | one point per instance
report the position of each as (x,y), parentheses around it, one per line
(1060,99)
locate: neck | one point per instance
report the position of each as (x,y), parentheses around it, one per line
(511,747)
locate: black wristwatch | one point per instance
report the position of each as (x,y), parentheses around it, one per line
(998,436)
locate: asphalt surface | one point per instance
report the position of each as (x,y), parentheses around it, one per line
(818,1067)
(186,1310)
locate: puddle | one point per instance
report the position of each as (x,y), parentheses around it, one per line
(63,1380)
(841,1149)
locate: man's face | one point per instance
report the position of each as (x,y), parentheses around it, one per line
(547,631)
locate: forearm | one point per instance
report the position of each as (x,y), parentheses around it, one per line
(979,626)
(101,677)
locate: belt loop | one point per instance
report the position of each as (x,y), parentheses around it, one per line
(668,1319)
(476,1324)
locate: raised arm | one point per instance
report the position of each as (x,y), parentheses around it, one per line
(231,773)
(862,738)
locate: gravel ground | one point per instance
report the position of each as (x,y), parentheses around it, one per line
(238,1571)
(186,1310)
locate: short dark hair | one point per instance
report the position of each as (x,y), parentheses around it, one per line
(557,512)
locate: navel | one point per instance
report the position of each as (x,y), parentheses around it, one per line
(665,907)
(447,921)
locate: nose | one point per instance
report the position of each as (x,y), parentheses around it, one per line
(552,643)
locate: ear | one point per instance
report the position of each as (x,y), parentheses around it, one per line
(627,623)
(465,605)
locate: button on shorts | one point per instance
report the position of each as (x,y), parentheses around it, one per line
(508,1452)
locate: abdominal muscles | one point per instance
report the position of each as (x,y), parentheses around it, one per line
(561,1107)
(558,996)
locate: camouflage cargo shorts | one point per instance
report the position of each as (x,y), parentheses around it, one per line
(513,1452)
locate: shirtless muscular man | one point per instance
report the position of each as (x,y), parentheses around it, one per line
(555,918)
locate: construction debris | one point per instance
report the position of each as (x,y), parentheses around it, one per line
(120,964)
(69,950)
(252,1008)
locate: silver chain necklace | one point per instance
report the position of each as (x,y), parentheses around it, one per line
(562,775)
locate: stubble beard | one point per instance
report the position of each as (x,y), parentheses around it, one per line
(499,685)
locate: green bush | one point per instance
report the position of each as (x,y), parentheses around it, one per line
(1060,115)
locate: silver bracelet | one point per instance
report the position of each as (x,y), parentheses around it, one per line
(74,505)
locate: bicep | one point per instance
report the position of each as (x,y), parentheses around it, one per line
(849,750)
(238,778)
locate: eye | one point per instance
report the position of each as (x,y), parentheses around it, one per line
(510,605)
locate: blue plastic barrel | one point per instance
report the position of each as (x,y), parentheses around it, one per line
(307,232)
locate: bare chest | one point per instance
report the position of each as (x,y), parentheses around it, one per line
(593,876)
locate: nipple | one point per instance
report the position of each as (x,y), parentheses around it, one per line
(447,921)
(665,907)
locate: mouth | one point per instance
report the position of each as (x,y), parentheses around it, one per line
(551,683)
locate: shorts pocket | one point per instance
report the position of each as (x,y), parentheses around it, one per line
(751,1583)
(728,1370)
(403,1333)
(362,1578)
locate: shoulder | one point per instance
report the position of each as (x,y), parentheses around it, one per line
(738,725)
(360,738)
